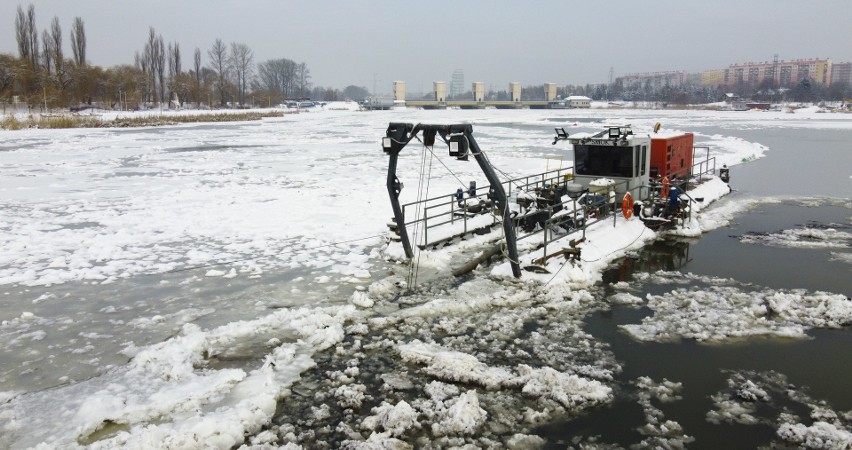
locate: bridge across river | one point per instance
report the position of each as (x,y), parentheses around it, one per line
(466,104)
(472,104)
(439,99)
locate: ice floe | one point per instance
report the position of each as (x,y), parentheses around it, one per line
(808,237)
(724,311)
(753,398)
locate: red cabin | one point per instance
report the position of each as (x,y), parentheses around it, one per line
(671,156)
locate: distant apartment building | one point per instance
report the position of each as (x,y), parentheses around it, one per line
(712,77)
(784,73)
(655,79)
(457,83)
(399,91)
(841,73)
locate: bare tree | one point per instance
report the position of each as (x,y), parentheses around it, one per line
(283,75)
(161,68)
(31,27)
(175,71)
(26,35)
(241,60)
(47,51)
(271,75)
(357,93)
(304,76)
(78,41)
(174,60)
(7,72)
(56,45)
(196,63)
(138,61)
(154,65)
(149,65)
(290,71)
(22,34)
(218,55)
(196,59)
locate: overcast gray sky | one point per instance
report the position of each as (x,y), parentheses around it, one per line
(533,41)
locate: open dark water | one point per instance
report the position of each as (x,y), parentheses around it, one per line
(810,170)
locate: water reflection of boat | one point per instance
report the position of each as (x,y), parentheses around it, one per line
(617,174)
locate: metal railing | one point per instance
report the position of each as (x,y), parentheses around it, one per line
(594,209)
(707,166)
(681,179)
(443,210)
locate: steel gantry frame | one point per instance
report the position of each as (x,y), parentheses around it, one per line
(459,138)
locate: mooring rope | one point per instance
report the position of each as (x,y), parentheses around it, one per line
(414,263)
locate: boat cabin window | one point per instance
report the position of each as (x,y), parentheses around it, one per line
(642,161)
(604,161)
(636,154)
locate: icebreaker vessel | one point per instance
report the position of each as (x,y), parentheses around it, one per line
(617,175)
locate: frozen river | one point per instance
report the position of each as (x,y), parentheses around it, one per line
(225,285)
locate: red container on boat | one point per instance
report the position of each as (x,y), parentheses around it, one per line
(671,156)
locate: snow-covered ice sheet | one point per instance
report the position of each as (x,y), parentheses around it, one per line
(303,193)
(98,205)
(167,396)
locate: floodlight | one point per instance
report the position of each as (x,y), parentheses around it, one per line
(614,132)
(561,135)
(458,146)
(386,143)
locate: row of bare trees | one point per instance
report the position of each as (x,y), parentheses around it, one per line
(42,69)
(41,75)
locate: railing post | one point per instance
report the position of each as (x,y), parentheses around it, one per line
(614,214)
(464,214)
(425,226)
